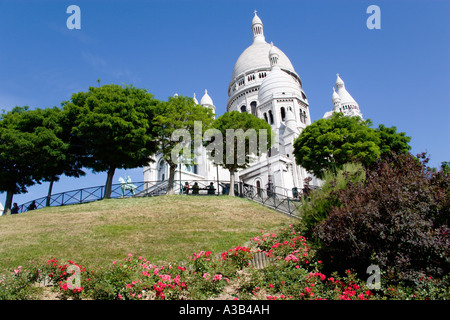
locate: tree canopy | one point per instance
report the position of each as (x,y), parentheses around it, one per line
(32,150)
(327,144)
(238,137)
(180,117)
(112,128)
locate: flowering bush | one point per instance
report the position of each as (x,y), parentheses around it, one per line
(202,261)
(289,246)
(206,285)
(136,278)
(239,257)
(18,284)
(65,276)
(294,273)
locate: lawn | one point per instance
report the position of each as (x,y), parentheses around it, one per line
(161,229)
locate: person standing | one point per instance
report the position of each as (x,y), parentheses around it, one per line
(15,208)
(32,206)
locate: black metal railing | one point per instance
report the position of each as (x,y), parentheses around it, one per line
(89,194)
(269,198)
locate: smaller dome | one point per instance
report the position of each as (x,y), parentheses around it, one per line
(335,97)
(278,82)
(206,99)
(290,119)
(345,97)
(195,99)
(339,82)
(273,50)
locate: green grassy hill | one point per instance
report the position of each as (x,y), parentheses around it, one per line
(159,229)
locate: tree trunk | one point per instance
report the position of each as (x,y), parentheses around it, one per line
(172,168)
(8,203)
(231,192)
(109,180)
(49,194)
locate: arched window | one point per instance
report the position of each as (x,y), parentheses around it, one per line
(303,116)
(243,108)
(283,113)
(258,188)
(161,170)
(303,95)
(265,117)
(270,117)
(253,107)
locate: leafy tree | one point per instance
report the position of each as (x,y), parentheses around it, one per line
(239,140)
(391,141)
(316,207)
(112,128)
(174,119)
(58,157)
(22,145)
(328,144)
(445,167)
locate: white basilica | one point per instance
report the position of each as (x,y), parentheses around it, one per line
(264,83)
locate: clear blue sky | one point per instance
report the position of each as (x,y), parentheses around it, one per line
(399,74)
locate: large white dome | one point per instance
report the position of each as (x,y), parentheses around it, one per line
(277,83)
(256,57)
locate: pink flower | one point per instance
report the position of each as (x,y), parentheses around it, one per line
(165,277)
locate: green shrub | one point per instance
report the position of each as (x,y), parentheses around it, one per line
(316,207)
(19,285)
